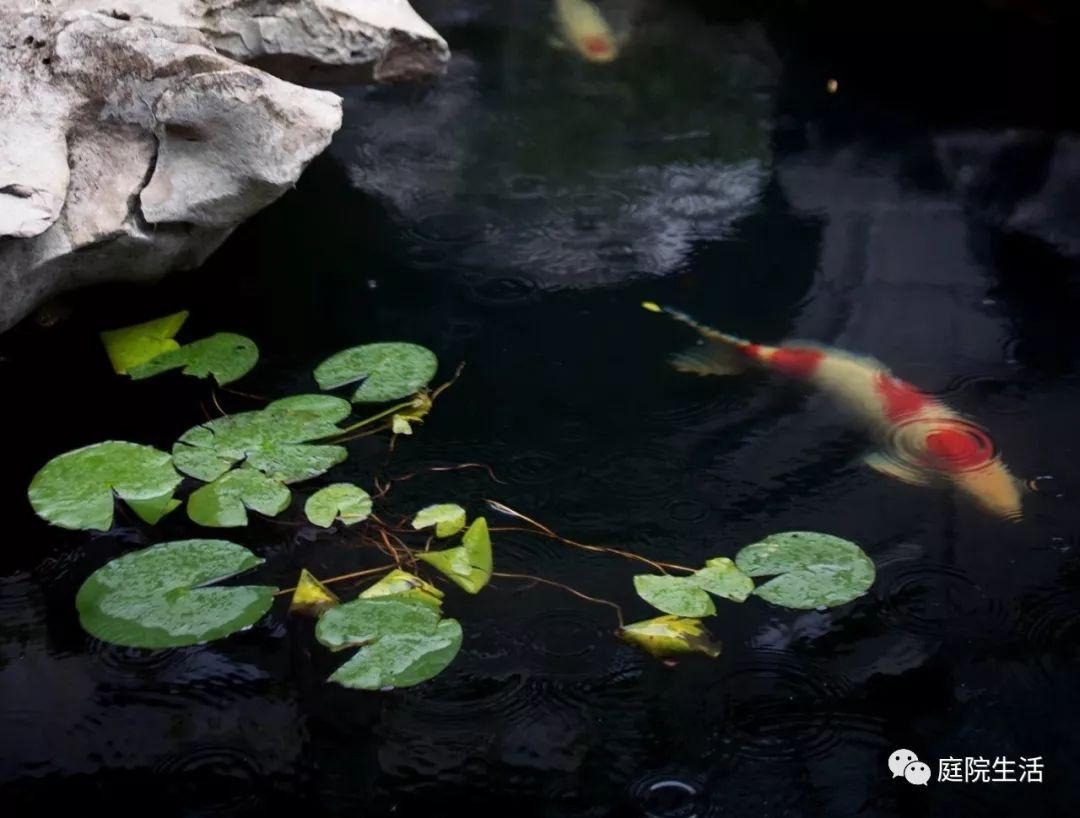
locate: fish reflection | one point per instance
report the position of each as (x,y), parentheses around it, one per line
(583,28)
(923,442)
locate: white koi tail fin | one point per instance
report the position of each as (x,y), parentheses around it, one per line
(714,358)
(724,354)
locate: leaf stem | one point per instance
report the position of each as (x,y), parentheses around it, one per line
(540,528)
(342,578)
(567,588)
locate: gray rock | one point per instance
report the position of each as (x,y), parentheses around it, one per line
(344,40)
(131,149)
(133,140)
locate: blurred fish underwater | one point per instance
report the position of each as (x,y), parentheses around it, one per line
(923,442)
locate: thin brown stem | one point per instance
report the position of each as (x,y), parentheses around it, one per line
(354,575)
(213,397)
(567,588)
(245,394)
(540,528)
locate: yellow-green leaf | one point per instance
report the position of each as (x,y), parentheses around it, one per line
(130,346)
(470,564)
(448,519)
(670,635)
(311,597)
(402,584)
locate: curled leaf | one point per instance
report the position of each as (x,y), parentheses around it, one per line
(156,597)
(311,597)
(670,635)
(448,519)
(224,502)
(809,569)
(721,577)
(470,564)
(389,371)
(130,346)
(77,489)
(674,595)
(341,501)
(225,355)
(402,584)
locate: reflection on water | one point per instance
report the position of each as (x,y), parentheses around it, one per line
(525,164)
(513,217)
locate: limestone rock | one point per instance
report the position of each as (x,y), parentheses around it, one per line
(129,149)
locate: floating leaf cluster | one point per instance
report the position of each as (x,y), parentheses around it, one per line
(810,570)
(168,595)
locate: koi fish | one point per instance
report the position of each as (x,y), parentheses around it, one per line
(584,29)
(923,442)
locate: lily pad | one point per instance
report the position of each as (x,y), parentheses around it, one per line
(402,642)
(76,489)
(225,355)
(342,501)
(401,661)
(670,635)
(156,597)
(674,595)
(273,440)
(448,519)
(153,510)
(470,564)
(311,597)
(809,569)
(389,371)
(363,621)
(130,346)
(224,502)
(403,585)
(721,577)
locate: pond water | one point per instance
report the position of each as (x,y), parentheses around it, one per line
(513,217)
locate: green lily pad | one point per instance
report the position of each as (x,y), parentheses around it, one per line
(154,509)
(674,595)
(226,356)
(470,564)
(155,598)
(670,635)
(721,577)
(402,642)
(76,489)
(389,371)
(130,346)
(401,661)
(403,585)
(363,621)
(342,501)
(272,440)
(448,519)
(809,569)
(224,502)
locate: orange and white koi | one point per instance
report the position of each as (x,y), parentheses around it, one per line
(584,29)
(922,440)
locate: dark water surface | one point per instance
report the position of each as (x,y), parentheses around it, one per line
(513,217)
